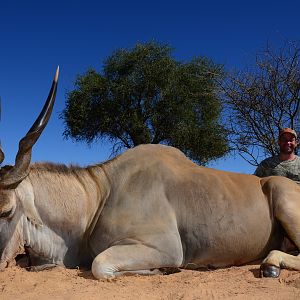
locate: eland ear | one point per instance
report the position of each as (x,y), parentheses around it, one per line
(1,155)
(1,152)
(26,197)
(11,178)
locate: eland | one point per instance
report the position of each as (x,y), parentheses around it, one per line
(146,210)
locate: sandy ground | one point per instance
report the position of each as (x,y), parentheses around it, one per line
(232,283)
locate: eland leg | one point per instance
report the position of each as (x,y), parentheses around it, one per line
(287,211)
(133,259)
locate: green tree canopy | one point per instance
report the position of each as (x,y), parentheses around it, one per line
(143,95)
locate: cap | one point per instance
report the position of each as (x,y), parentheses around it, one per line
(288,130)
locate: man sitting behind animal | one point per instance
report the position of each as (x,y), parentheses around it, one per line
(287,163)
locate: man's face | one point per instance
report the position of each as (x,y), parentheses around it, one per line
(287,143)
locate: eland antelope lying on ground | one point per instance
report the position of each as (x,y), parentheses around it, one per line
(147,209)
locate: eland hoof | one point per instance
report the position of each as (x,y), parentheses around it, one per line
(267,270)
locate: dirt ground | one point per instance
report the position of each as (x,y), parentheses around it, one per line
(232,283)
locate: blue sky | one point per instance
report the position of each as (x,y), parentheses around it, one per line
(36,36)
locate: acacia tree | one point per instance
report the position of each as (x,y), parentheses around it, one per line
(143,95)
(263,99)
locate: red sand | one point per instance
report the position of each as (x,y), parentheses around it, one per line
(231,283)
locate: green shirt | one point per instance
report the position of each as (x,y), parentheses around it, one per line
(273,166)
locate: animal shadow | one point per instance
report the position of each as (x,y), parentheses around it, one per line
(86,274)
(255,272)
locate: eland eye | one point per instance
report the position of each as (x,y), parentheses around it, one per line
(6,214)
